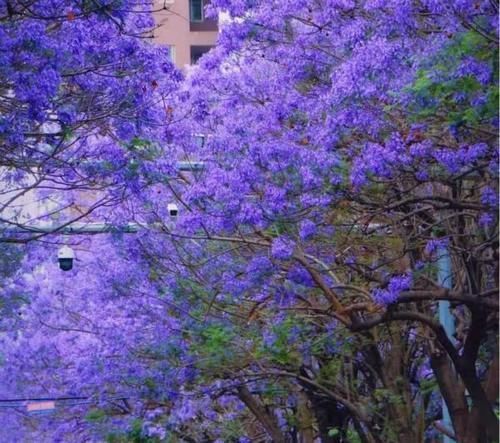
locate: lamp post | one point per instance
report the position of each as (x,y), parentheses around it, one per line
(444,277)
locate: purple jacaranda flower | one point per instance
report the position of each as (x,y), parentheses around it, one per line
(481,71)
(436,243)
(489,197)
(300,276)
(269,338)
(307,229)
(390,294)
(259,266)
(67,115)
(282,248)
(486,219)
(350,260)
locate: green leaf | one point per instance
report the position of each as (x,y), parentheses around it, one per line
(96,415)
(333,432)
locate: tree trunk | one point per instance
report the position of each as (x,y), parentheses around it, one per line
(306,419)
(453,393)
(475,433)
(267,420)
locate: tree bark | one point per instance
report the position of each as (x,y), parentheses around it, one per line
(491,385)
(306,419)
(452,392)
(258,410)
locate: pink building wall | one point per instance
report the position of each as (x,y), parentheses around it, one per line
(178,32)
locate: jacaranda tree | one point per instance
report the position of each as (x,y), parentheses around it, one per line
(351,150)
(349,187)
(80,84)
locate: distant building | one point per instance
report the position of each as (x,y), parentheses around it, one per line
(185,29)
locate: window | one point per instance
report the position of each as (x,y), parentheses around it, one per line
(197,52)
(171,53)
(196,10)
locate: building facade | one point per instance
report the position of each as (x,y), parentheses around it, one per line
(183,27)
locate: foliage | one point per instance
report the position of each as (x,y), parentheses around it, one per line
(295,297)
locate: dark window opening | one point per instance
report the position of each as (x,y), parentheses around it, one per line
(197,52)
(196,10)
(197,20)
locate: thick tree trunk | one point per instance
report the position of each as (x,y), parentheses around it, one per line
(475,433)
(267,420)
(453,393)
(306,419)
(488,419)
(467,371)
